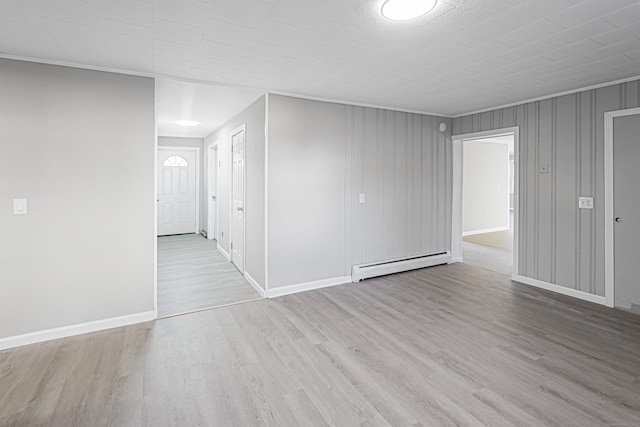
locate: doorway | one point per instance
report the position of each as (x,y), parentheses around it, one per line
(178,190)
(193,273)
(212,197)
(622,209)
(485,201)
(237,196)
(194,269)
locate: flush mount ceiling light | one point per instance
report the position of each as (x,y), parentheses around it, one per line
(403,10)
(187,123)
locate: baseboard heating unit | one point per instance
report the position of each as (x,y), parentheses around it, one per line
(366,271)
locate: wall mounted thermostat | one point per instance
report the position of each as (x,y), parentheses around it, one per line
(442,127)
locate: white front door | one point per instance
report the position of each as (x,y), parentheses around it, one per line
(176,192)
(237,206)
(626,206)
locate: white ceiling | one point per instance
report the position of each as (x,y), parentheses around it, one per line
(210,105)
(465,56)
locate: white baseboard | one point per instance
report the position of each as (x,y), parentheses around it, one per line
(456,259)
(484,230)
(308,286)
(559,289)
(224,253)
(72,330)
(253,282)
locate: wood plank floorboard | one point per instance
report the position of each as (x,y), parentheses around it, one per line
(492,251)
(193,275)
(447,345)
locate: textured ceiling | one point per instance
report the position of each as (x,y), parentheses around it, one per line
(465,56)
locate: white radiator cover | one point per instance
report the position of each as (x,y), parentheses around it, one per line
(366,271)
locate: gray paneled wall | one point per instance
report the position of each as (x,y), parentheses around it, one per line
(559,243)
(400,162)
(322,156)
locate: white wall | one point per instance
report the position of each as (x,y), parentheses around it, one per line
(171,141)
(322,156)
(79,145)
(485,186)
(306,191)
(254,119)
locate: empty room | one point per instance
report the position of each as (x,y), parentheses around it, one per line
(314,212)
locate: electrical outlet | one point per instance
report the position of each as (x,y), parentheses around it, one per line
(585,202)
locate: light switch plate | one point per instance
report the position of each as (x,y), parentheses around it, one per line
(361,198)
(19,206)
(585,202)
(543,168)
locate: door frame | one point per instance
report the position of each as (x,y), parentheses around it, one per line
(197,151)
(214,146)
(609,255)
(456,205)
(241,128)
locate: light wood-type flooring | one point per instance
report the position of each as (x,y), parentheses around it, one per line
(492,251)
(447,345)
(193,275)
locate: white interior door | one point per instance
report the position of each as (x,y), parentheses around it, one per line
(213,194)
(237,206)
(176,192)
(626,181)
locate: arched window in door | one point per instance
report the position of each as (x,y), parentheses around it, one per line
(175,162)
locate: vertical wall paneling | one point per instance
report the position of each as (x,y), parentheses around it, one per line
(349,194)
(544,130)
(554,186)
(558,242)
(578,186)
(400,162)
(564,196)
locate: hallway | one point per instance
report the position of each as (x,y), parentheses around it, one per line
(193,275)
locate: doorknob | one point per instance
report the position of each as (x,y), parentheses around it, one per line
(618,219)
(240,209)
(213,197)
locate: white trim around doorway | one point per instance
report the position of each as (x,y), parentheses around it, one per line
(609,255)
(456,208)
(197,151)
